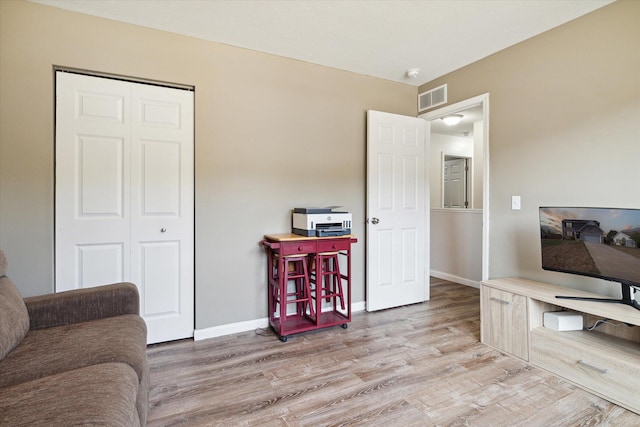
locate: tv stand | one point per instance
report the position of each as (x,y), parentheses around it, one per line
(626,298)
(603,361)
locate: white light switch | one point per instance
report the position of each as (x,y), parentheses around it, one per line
(515,202)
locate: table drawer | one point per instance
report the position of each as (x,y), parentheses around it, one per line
(333,245)
(298,247)
(599,364)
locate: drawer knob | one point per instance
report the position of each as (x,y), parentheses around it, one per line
(590,366)
(299,248)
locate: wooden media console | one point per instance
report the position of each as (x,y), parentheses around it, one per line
(604,361)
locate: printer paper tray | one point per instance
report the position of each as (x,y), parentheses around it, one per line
(323,233)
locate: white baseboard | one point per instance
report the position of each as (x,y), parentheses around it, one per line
(249,325)
(358,306)
(230,328)
(455,279)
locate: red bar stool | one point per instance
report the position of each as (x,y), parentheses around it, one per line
(294,268)
(328,280)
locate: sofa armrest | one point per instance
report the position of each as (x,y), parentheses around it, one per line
(80,305)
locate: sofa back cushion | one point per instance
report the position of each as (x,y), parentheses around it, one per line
(14,318)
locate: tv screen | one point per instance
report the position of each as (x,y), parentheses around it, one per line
(596,242)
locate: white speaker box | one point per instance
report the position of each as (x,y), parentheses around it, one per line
(562,320)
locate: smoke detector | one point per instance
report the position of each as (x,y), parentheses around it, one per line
(412,73)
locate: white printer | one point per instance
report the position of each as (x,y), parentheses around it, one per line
(321,222)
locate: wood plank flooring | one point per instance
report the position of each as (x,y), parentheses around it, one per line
(420,365)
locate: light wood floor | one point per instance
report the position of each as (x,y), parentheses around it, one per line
(419,365)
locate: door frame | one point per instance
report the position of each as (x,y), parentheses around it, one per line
(482,100)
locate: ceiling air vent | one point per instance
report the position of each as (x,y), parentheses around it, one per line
(432,98)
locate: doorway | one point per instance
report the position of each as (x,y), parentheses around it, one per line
(461,235)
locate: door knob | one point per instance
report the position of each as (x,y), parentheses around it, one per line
(374,220)
(162,230)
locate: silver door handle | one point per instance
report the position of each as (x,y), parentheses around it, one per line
(374,221)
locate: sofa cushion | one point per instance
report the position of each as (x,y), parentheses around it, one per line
(49,351)
(102,394)
(14,318)
(80,305)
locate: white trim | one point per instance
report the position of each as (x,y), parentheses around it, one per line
(230,328)
(358,306)
(455,279)
(457,107)
(63,69)
(249,325)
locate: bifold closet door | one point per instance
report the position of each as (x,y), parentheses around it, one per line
(124,194)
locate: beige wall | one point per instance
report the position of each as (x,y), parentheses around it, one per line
(456,245)
(564,122)
(271,134)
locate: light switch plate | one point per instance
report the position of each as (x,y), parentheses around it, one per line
(515,202)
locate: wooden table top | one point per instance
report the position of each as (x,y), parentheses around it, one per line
(289,237)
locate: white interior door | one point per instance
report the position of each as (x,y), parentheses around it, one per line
(455,183)
(397,211)
(124,195)
(92,221)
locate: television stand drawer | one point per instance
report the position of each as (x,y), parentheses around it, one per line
(605,365)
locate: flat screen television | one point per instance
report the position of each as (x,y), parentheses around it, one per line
(595,242)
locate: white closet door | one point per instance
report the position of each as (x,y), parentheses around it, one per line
(93,128)
(162,209)
(124,194)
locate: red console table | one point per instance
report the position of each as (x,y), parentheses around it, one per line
(323,307)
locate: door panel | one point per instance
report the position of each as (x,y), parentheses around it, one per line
(409,253)
(162,207)
(385,186)
(160,278)
(410,185)
(397,197)
(160,162)
(92,181)
(95,105)
(159,113)
(384,266)
(99,264)
(100,164)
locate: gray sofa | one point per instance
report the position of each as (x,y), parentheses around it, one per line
(72,358)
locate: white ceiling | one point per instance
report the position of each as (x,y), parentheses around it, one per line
(376,38)
(462,129)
